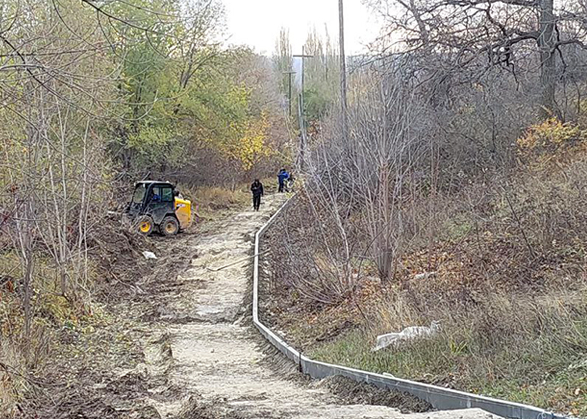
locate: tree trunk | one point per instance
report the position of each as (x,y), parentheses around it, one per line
(546,43)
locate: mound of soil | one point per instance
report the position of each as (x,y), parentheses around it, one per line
(351,392)
(196,408)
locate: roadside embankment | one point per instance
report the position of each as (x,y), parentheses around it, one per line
(503,274)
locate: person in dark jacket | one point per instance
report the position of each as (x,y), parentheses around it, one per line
(281,178)
(257,190)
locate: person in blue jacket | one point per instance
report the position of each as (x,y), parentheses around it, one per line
(281,178)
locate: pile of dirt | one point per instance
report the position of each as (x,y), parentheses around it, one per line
(352,393)
(119,258)
(84,398)
(197,408)
(96,370)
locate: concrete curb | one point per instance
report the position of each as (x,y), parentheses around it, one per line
(440,398)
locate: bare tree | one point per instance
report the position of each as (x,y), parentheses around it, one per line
(474,35)
(369,173)
(284,61)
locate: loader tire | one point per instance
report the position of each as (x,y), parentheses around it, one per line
(169,226)
(145,225)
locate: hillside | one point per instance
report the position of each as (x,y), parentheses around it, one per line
(504,274)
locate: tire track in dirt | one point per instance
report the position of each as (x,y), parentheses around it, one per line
(206,352)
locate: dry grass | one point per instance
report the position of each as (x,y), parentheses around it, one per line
(218,199)
(214,202)
(12,366)
(509,287)
(21,356)
(524,348)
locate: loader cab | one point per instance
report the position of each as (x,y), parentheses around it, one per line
(157,205)
(153,198)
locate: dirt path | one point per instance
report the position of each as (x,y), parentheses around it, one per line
(206,350)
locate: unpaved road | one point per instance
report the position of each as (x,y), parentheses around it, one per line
(207,351)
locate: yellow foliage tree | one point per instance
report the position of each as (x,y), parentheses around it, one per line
(248,142)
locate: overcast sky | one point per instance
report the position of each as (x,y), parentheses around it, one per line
(257,22)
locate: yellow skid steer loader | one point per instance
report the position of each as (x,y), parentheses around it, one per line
(157,206)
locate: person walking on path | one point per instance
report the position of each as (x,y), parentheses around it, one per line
(257,190)
(281,178)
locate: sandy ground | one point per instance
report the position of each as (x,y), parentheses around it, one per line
(204,348)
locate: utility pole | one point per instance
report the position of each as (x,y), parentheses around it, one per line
(303,133)
(303,56)
(343,84)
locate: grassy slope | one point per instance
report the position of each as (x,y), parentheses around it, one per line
(514,323)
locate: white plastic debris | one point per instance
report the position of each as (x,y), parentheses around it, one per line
(409,333)
(149,255)
(424,275)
